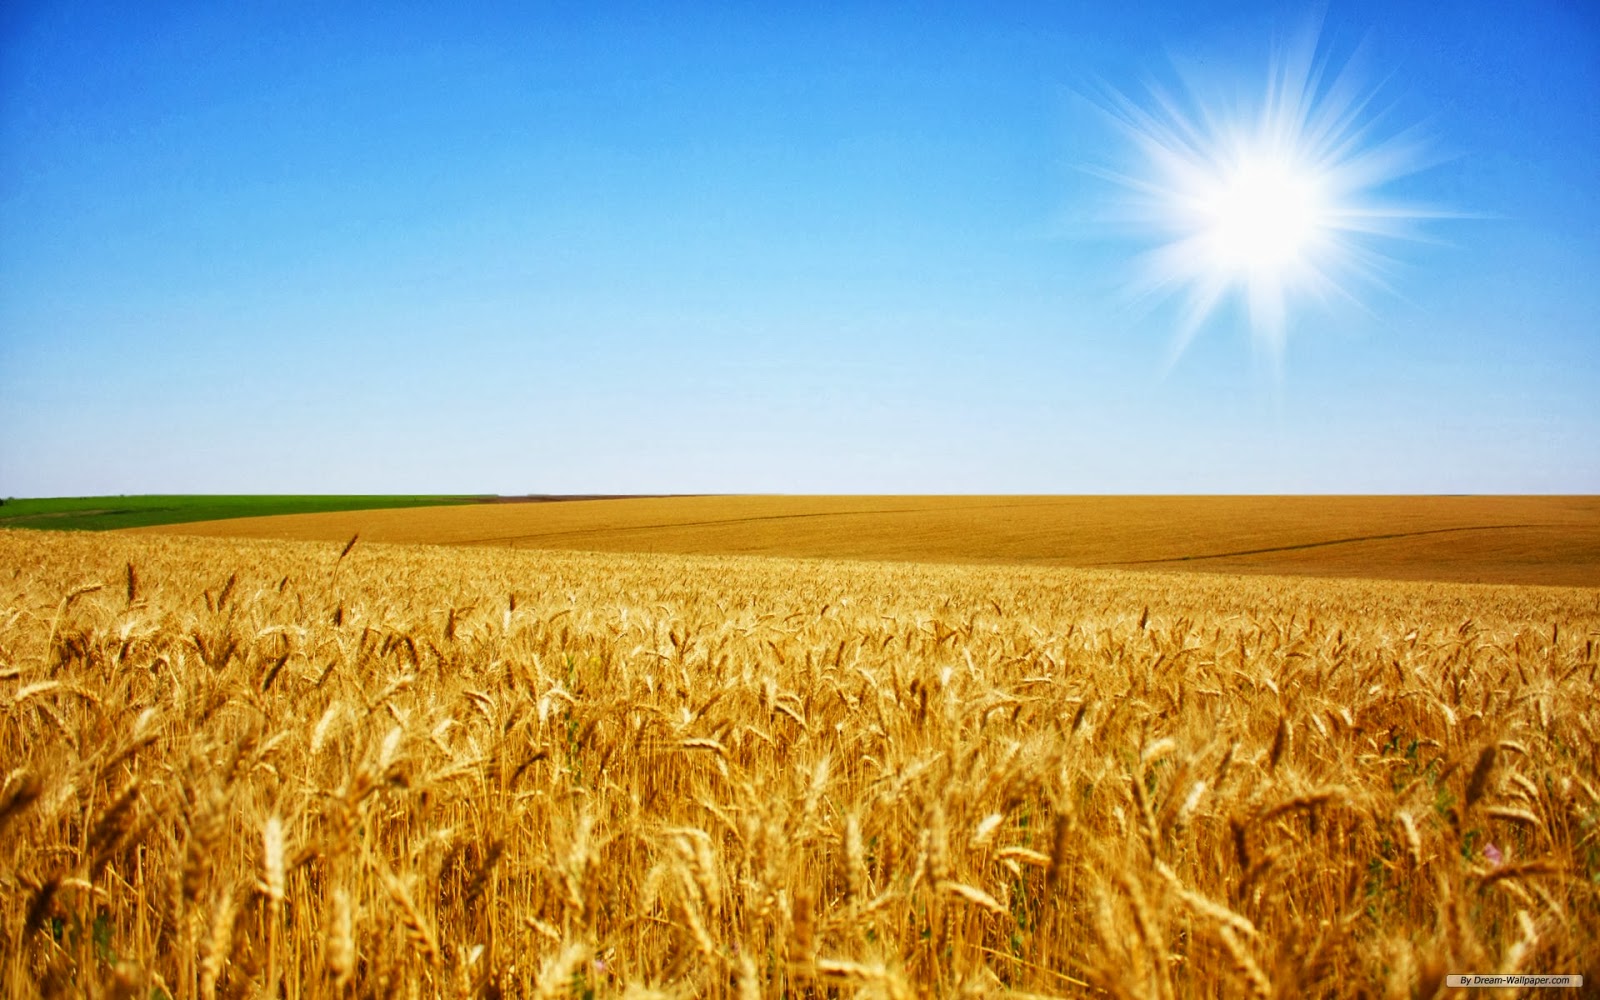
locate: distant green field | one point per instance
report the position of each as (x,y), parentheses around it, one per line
(106,513)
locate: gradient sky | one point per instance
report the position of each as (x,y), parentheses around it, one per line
(285,248)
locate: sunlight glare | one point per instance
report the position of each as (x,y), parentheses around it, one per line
(1263,216)
(1270,203)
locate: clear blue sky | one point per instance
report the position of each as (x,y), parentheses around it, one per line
(593,248)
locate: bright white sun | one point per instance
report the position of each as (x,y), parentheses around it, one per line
(1271,203)
(1263,217)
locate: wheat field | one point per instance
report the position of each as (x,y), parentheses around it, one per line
(275,768)
(1547,540)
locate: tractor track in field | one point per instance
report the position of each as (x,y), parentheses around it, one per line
(688,524)
(1319,545)
(739,520)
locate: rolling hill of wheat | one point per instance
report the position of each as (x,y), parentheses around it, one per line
(1465,539)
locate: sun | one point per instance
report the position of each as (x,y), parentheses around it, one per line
(1274,202)
(1264,216)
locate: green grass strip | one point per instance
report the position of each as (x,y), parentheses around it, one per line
(106,513)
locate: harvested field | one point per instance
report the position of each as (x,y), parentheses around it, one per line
(1520,540)
(243,768)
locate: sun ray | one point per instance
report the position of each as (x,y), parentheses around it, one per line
(1267,205)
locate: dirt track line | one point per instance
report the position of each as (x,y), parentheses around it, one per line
(1319,545)
(744,520)
(689,524)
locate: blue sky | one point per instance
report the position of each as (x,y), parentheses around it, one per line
(594,248)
